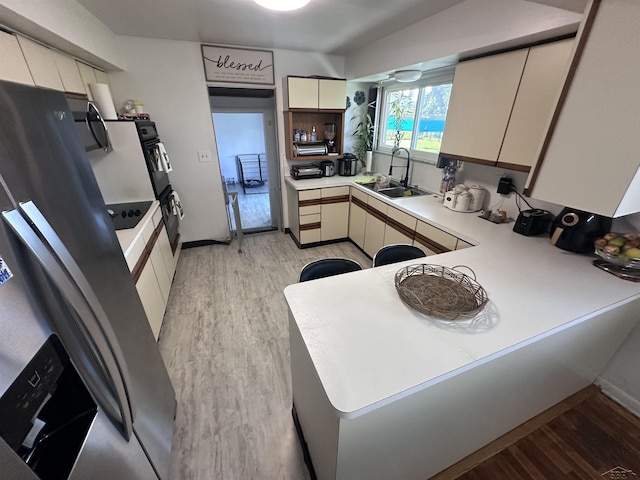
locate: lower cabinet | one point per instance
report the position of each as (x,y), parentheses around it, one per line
(433,240)
(400,227)
(357,217)
(334,213)
(319,215)
(375,226)
(152,266)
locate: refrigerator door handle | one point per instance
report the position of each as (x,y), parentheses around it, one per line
(98,329)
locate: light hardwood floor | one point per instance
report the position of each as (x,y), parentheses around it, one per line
(225,342)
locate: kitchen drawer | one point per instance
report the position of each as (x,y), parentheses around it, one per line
(436,235)
(157,217)
(402,218)
(135,252)
(310,236)
(147,231)
(334,192)
(360,195)
(378,205)
(309,194)
(309,201)
(310,210)
(307,219)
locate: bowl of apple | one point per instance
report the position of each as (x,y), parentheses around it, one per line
(622,249)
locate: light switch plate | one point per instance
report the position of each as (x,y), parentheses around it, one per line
(204,155)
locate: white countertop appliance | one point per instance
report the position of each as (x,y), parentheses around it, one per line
(465,198)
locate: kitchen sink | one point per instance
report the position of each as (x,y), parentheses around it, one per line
(396,190)
(401,192)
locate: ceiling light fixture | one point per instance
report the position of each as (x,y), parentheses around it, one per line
(405,76)
(282,5)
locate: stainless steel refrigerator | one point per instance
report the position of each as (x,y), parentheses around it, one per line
(84,392)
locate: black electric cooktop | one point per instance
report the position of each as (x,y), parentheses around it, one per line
(127,215)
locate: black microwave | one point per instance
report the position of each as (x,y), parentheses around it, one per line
(90,125)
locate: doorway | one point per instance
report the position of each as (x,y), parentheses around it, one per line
(245,127)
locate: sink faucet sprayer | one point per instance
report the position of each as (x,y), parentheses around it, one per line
(405,182)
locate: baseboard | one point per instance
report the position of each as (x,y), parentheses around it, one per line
(202,243)
(619,396)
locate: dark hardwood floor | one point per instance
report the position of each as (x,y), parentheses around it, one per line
(589,436)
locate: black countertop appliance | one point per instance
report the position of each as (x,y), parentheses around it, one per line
(575,230)
(347,165)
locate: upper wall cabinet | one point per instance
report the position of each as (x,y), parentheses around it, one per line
(13,66)
(593,156)
(42,64)
(501,105)
(313,93)
(87,73)
(69,74)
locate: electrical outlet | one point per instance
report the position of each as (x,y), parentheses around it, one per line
(204,155)
(504,186)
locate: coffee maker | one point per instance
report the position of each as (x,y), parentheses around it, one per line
(330,137)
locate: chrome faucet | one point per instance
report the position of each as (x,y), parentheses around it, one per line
(405,181)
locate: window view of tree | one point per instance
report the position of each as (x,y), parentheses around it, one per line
(415,117)
(401,109)
(433,112)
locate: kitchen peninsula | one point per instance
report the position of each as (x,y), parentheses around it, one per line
(382,392)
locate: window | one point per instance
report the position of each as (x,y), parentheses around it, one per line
(413,116)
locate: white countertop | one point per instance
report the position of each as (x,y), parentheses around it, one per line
(369,348)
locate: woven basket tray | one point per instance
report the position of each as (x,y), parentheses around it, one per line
(441,292)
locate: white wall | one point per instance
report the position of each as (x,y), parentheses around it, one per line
(237,134)
(466,27)
(168,76)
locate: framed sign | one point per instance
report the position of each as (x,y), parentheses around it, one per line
(237,65)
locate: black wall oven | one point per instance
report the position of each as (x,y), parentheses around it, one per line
(149,139)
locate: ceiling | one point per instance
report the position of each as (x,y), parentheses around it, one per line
(326,26)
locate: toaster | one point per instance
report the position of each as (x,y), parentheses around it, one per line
(533,222)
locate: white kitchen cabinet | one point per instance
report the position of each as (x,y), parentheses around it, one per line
(87,73)
(101,77)
(314,93)
(150,267)
(375,225)
(540,87)
(592,160)
(332,94)
(42,64)
(150,234)
(433,240)
(69,74)
(482,97)
(151,298)
(334,213)
(13,66)
(309,208)
(164,245)
(400,227)
(501,105)
(357,217)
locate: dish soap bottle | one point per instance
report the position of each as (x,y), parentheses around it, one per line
(314,135)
